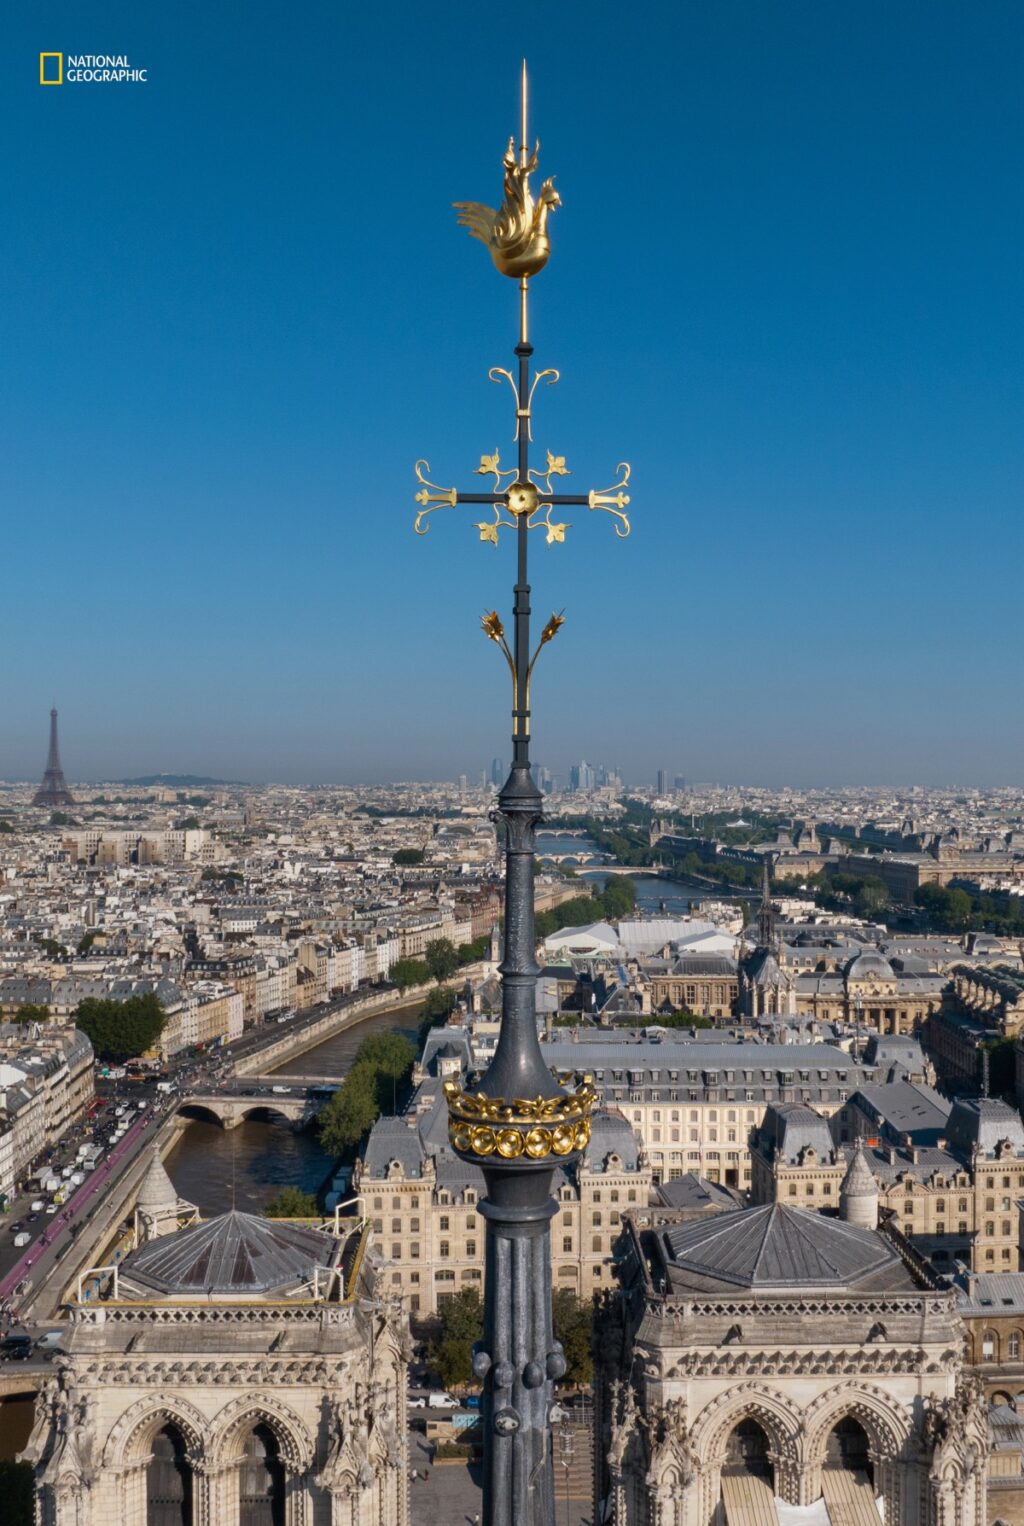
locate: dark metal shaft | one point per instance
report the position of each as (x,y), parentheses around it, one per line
(518,1357)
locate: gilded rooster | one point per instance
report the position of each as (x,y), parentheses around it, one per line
(517,234)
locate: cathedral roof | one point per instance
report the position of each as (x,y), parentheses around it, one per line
(763,969)
(775,1247)
(232,1253)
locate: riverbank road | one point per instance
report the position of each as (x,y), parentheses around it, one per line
(35,1264)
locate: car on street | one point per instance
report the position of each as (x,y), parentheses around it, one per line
(16,1348)
(419,1403)
(441,1401)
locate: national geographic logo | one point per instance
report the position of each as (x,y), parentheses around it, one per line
(89,69)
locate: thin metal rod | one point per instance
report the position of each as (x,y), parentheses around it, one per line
(523,150)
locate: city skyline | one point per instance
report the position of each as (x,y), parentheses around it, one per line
(816,319)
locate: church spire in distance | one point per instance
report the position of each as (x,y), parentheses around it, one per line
(766,913)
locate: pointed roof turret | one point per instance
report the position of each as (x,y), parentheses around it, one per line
(858,1194)
(157,1191)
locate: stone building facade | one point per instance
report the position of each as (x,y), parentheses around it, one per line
(707,984)
(775,1353)
(956,1200)
(237,1371)
(421,1201)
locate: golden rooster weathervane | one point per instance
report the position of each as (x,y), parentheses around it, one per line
(523,497)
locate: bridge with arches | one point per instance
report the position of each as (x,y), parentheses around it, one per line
(299,1105)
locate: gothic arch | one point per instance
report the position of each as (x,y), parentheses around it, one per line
(779,1420)
(231,1426)
(130,1438)
(886,1423)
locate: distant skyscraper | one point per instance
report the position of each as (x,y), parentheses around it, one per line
(54,790)
(680,782)
(662,781)
(581,776)
(497,772)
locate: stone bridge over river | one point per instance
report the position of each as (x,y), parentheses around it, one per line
(299,1105)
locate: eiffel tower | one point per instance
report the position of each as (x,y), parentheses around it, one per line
(54,789)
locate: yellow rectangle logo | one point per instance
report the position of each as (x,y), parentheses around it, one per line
(47,69)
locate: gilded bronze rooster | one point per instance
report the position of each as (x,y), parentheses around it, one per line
(517,234)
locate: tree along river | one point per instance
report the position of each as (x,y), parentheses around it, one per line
(218,1168)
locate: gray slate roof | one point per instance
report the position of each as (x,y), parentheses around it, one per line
(233,1253)
(984,1121)
(775,1247)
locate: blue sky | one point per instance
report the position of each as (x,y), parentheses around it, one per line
(786,286)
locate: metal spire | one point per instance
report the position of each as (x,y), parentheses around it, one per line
(519,1122)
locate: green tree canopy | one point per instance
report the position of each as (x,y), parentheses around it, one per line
(439,1004)
(30,1013)
(291,1203)
(680,1019)
(407,857)
(574,1327)
(118,1030)
(461,1324)
(382,1061)
(442,959)
(409,972)
(618,899)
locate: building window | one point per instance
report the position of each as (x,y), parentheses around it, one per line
(443,1224)
(595,1219)
(567,1245)
(414,1225)
(595,1245)
(470,1247)
(443,1250)
(1013,1347)
(396,1226)
(988,1347)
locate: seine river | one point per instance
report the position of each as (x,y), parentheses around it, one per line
(216,1168)
(654,896)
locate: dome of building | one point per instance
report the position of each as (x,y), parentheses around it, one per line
(870,966)
(779,1247)
(157,1191)
(235,1253)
